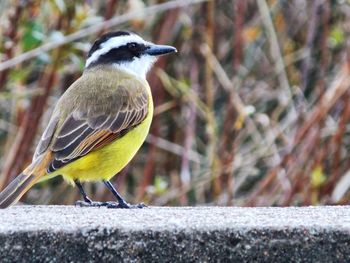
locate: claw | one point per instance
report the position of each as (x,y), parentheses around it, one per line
(109,204)
(126,206)
(94,204)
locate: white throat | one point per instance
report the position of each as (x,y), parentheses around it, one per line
(138,66)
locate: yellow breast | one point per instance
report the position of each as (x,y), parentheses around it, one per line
(106,162)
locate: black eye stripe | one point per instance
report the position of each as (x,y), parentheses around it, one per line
(132,45)
(120,54)
(136,47)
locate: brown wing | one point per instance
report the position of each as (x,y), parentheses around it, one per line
(99,120)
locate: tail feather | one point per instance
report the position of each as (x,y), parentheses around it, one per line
(24,181)
(17,188)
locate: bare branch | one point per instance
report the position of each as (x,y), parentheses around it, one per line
(96,28)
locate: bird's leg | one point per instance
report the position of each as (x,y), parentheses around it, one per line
(121,202)
(81,190)
(87,201)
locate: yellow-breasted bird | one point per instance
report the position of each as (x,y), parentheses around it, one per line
(99,123)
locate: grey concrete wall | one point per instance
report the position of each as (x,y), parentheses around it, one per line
(200,234)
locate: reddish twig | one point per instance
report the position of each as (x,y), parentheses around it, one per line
(10,36)
(189,133)
(338,88)
(161,36)
(20,151)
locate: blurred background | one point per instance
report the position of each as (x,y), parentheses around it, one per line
(253,110)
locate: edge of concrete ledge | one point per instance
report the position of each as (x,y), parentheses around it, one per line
(175,234)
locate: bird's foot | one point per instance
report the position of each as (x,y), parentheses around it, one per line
(109,204)
(125,205)
(94,204)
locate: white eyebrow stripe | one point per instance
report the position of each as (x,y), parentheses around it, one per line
(114,42)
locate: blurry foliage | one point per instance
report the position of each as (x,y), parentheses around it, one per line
(253,110)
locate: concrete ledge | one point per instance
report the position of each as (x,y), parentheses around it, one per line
(74,234)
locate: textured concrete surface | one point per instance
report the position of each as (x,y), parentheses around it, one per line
(200,234)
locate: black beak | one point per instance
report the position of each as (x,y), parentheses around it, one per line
(157,50)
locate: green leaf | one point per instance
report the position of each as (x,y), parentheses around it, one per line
(317,177)
(160,185)
(337,37)
(32,36)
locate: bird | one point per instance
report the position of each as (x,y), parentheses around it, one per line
(99,123)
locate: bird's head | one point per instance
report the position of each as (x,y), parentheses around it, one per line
(127,51)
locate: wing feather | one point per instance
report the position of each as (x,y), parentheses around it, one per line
(90,126)
(46,138)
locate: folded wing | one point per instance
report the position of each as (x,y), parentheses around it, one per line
(93,125)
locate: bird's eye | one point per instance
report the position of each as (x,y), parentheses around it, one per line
(132,46)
